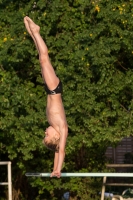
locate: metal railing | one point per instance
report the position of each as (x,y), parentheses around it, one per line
(9,183)
(122,175)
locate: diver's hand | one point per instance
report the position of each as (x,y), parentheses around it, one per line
(55,174)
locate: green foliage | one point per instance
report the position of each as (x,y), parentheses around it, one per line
(90,46)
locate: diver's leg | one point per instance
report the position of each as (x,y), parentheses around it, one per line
(48,72)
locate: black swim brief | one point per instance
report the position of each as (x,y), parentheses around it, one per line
(57,90)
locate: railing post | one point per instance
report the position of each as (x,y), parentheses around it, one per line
(9,182)
(103,187)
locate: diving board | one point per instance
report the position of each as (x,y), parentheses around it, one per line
(99,174)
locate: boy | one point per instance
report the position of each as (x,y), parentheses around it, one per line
(56,134)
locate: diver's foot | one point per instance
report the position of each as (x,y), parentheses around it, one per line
(31,27)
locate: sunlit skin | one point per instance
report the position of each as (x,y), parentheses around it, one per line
(54,109)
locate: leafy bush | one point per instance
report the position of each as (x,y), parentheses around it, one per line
(90,46)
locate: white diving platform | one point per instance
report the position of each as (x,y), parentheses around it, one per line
(99,174)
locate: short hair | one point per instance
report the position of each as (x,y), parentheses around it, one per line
(52,144)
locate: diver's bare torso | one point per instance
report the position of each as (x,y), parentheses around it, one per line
(55,111)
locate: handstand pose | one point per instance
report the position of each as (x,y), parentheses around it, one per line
(56,133)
